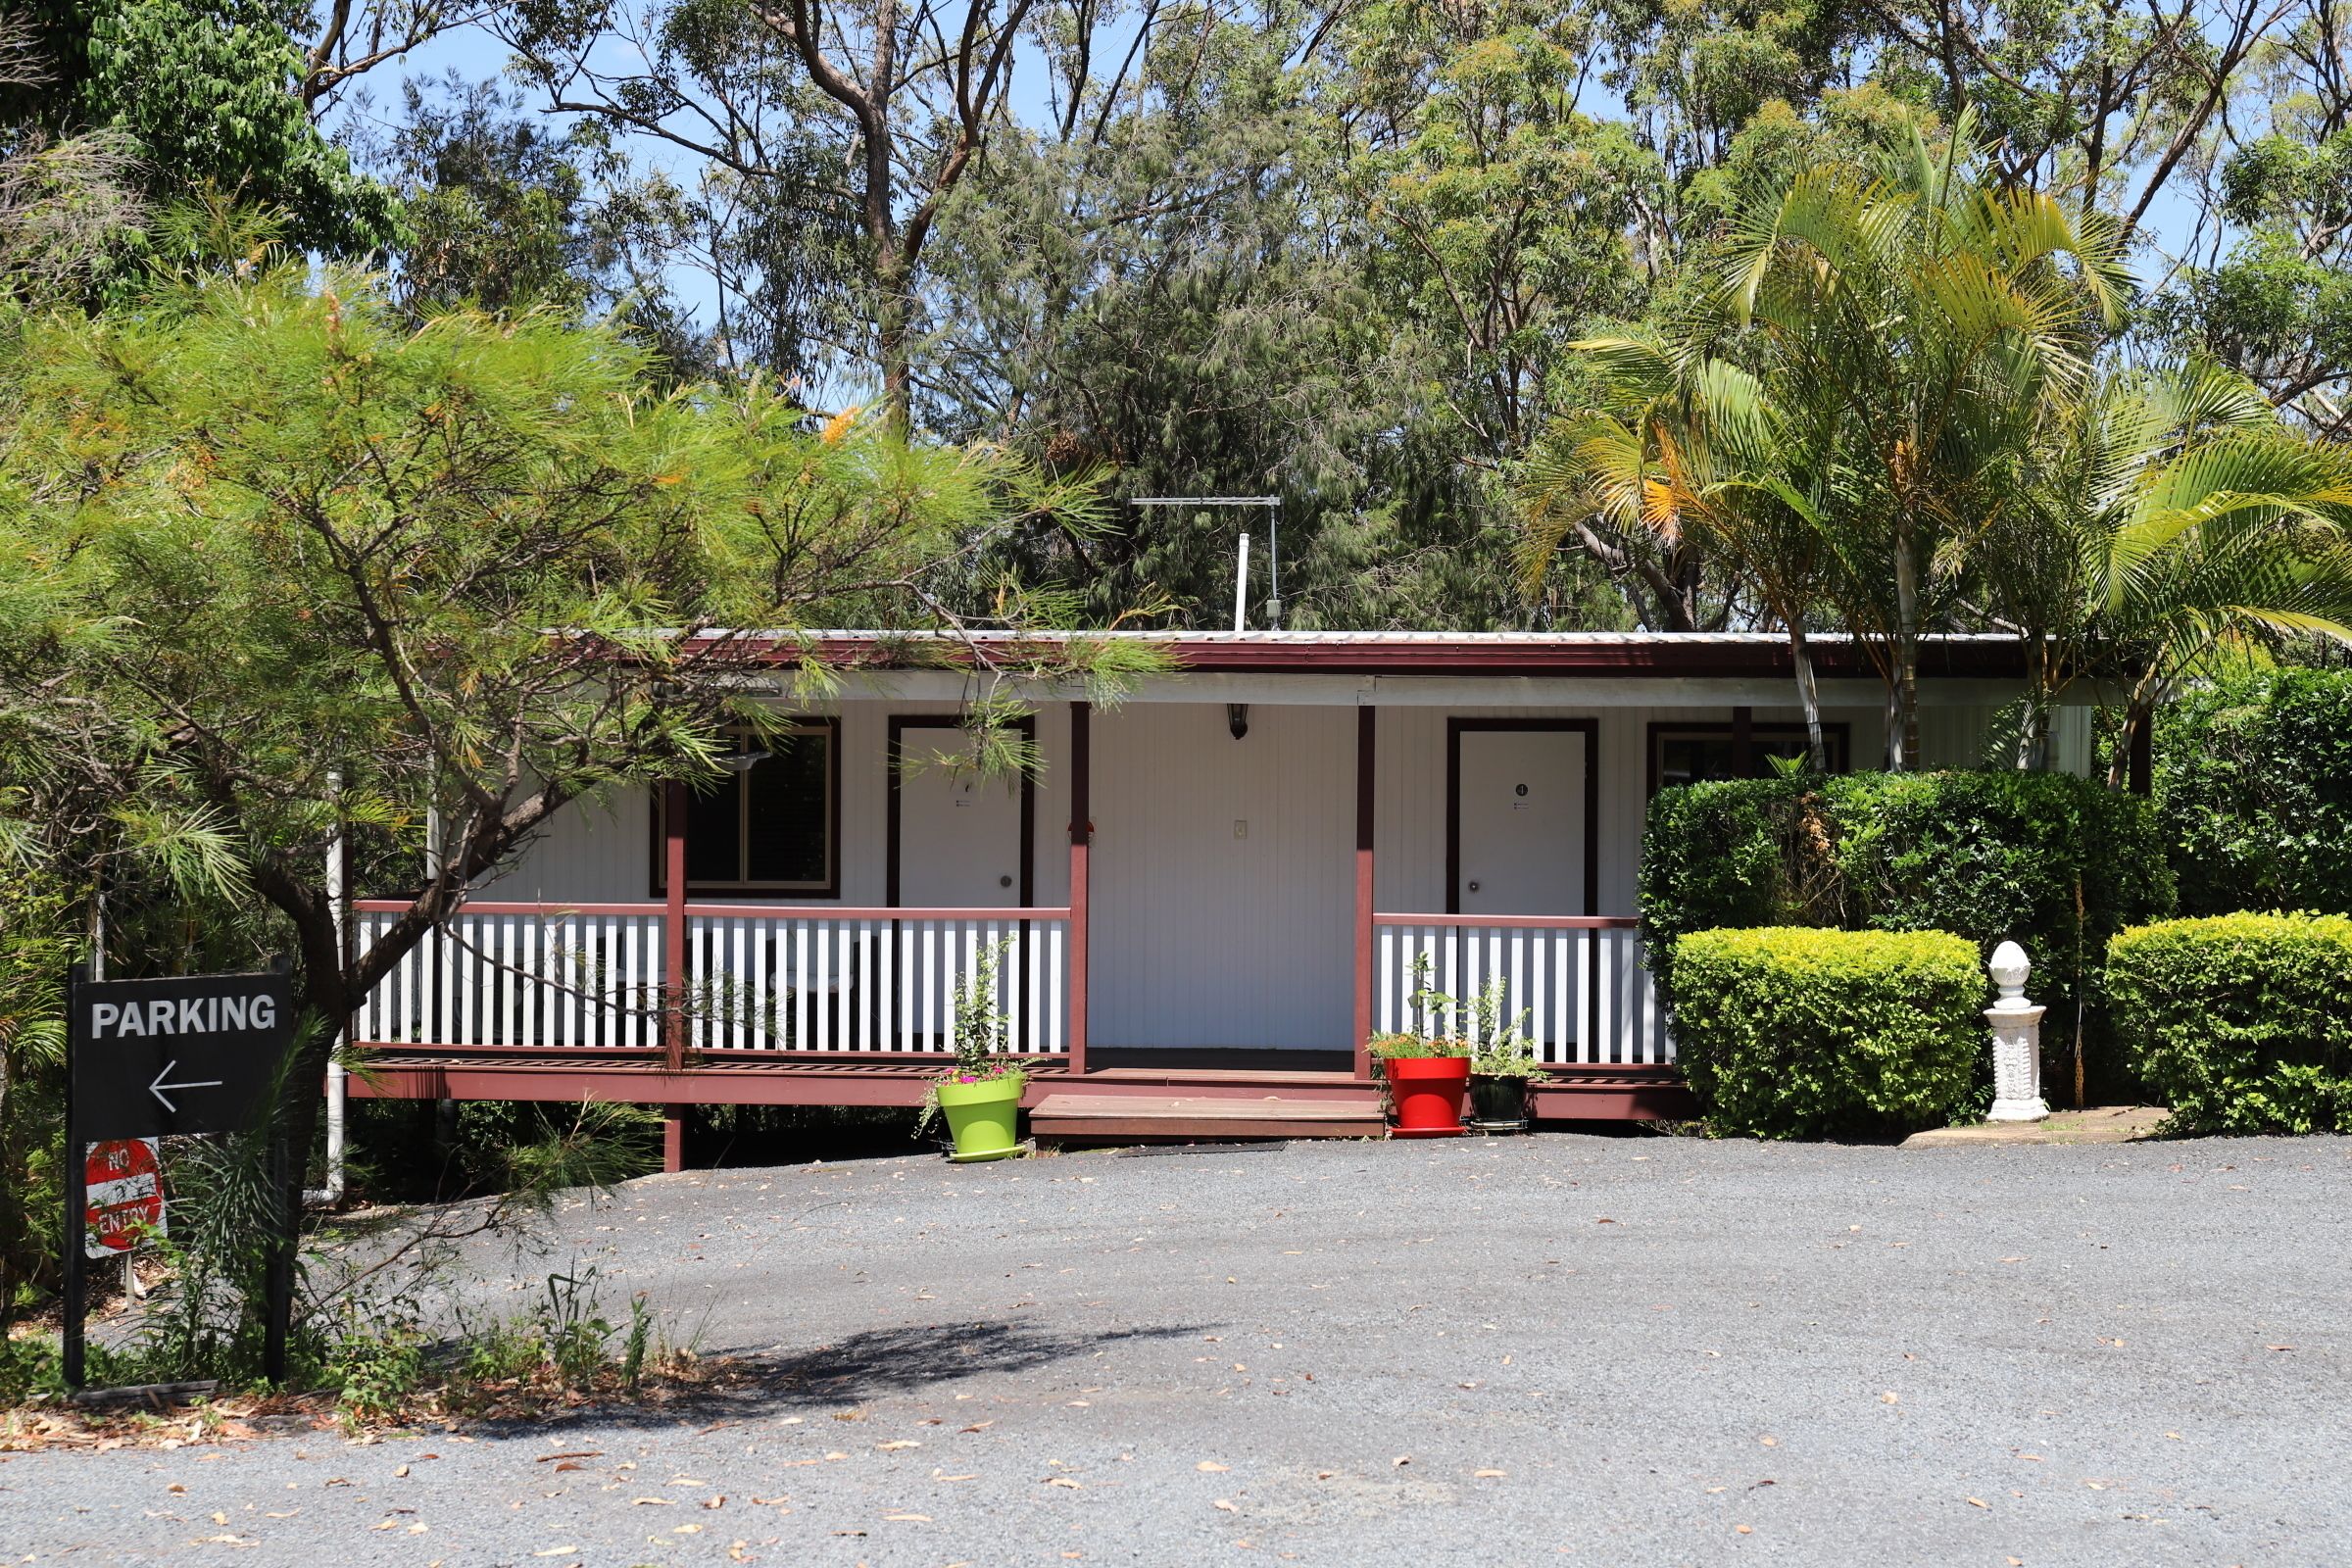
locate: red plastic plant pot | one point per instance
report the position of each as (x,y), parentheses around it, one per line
(1427,1091)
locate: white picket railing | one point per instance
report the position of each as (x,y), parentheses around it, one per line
(1575,985)
(871,979)
(757,977)
(505,974)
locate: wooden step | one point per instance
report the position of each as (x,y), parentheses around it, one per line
(1126,1115)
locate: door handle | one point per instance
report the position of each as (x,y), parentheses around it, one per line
(1474,887)
(1003,881)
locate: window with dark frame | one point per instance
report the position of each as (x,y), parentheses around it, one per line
(769,827)
(1693,753)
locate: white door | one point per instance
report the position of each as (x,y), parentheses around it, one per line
(1522,822)
(960,835)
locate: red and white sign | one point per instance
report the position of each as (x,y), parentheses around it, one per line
(126,1195)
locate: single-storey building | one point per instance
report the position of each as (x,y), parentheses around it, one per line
(1195,908)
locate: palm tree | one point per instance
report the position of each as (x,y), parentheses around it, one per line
(1698,455)
(1918,328)
(2173,512)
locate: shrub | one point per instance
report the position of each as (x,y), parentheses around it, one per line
(2056,862)
(1789,1032)
(2253,788)
(2242,1024)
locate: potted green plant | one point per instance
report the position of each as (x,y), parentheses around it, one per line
(1426,1079)
(1502,1062)
(1425,1073)
(981,1095)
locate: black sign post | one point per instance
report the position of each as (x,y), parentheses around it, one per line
(149,1058)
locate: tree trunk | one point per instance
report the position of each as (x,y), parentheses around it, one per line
(1808,696)
(894,313)
(1902,741)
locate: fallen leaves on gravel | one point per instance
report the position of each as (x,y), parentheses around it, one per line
(1211,1466)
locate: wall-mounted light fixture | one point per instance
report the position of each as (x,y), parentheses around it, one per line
(1237,718)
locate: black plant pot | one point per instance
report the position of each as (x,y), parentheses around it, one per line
(1499,1104)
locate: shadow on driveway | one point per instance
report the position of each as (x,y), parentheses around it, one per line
(747,1383)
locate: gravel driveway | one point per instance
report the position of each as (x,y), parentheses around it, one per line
(1608,1351)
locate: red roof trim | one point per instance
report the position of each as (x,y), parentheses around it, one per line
(1664,654)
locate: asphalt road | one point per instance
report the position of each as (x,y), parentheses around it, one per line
(1626,1351)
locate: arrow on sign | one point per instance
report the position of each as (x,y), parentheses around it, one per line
(158,1087)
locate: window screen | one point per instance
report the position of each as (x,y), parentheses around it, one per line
(770,826)
(1694,753)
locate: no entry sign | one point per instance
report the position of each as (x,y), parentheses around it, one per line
(183,1056)
(123,1194)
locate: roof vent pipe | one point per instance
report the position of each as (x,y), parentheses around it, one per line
(1241,590)
(1273,506)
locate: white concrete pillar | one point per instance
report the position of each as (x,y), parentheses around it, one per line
(2016,1041)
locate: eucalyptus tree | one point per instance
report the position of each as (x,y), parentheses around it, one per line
(832,132)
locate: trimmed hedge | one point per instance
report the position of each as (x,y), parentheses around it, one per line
(2056,862)
(1789,1032)
(2242,1024)
(2253,787)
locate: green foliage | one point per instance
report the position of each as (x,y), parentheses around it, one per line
(2253,789)
(206,94)
(1789,1032)
(1444,1025)
(374,1372)
(1416,1048)
(2056,864)
(37,943)
(277,565)
(979,1031)
(2241,1023)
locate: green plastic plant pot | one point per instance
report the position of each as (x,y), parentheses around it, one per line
(982,1117)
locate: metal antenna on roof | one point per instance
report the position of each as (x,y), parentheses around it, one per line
(1273,506)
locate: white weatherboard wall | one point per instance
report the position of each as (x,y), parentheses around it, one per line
(1202,938)
(601,851)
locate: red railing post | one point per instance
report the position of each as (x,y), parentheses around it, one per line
(1082,832)
(674,929)
(1366,745)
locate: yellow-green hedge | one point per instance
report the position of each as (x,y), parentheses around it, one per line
(2242,1024)
(1796,1032)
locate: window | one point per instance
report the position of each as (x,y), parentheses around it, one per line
(1686,753)
(771,828)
